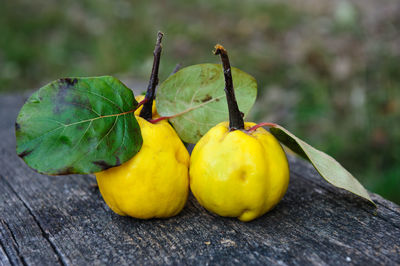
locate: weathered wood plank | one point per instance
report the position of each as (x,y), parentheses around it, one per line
(21,236)
(4,260)
(63,220)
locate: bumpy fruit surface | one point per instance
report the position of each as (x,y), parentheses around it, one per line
(238,174)
(155,182)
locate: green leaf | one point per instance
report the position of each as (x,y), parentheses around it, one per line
(197,94)
(78,126)
(327,166)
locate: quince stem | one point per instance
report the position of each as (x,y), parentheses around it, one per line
(141,103)
(235,116)
(146,112)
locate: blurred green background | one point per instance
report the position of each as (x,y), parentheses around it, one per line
(328,70)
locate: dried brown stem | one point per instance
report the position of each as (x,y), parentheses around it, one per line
(235,116)
(146,111)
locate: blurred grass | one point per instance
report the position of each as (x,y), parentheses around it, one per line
(329,71)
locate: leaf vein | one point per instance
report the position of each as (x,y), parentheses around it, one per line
(108,132)
(101,96)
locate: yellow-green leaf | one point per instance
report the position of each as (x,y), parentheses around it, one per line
(197,94)
(328,167)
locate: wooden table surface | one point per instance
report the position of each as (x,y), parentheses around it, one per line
(63,220)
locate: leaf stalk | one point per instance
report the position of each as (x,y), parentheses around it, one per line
(264,124)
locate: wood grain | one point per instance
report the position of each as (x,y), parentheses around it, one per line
(63,220)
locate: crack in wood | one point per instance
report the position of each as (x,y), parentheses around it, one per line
(45,235)
(4,256)
(14,244)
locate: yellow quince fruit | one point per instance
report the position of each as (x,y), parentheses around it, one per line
(238,173)
(155,182)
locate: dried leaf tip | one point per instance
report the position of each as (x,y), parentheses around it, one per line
(159,38)
(219,49)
